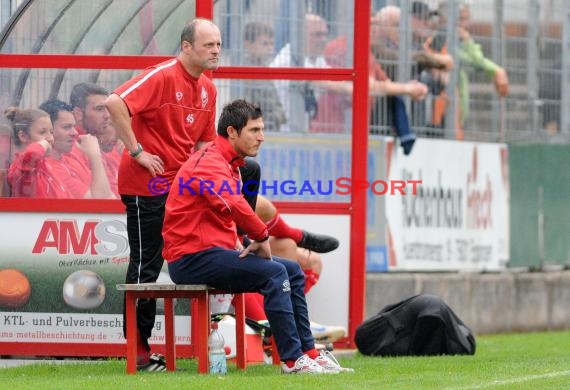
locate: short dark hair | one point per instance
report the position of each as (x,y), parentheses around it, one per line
(254,29)
(236,114)
(80,92)
(420,10)
(54,106)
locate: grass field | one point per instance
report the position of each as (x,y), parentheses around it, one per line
(515,361)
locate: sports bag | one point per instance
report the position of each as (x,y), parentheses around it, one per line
(420,325)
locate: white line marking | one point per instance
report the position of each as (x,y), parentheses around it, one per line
(517,380)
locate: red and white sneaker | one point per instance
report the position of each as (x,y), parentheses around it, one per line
(303,365)
(329,363)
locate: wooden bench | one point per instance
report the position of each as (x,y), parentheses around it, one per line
(199,295)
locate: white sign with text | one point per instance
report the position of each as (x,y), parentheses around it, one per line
(458,218)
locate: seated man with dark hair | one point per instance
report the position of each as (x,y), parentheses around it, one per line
(200,238)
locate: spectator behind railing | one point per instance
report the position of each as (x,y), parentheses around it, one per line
(431,64)
(259,45)
(471,55)
(385,40)
(335,108)
(299,98)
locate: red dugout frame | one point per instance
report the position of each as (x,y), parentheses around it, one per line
(356,208)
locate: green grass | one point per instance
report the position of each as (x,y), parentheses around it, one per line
(515,361)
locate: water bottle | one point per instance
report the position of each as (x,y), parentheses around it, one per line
(217,354)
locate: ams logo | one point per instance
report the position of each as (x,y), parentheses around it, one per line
(106,238)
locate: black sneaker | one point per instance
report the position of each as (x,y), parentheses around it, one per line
(319,243)
(155,363)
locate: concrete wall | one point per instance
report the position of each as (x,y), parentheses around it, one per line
(487,303)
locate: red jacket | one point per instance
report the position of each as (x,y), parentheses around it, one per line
(34,174)
(171,112)
(199,218)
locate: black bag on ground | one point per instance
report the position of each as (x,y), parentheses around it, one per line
(420,325)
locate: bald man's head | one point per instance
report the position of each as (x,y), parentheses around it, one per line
(389,16)
(384,26)
(317,35)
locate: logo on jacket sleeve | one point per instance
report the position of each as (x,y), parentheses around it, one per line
(286,286)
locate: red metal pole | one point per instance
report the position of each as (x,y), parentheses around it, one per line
(360,114)
(205,9)
(131,318)
(169,333)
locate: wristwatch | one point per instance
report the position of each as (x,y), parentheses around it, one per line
(138,151)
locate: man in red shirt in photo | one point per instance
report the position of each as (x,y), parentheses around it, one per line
(201,243)
(161,116)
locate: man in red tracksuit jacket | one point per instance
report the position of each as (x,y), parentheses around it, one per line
(203,208)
